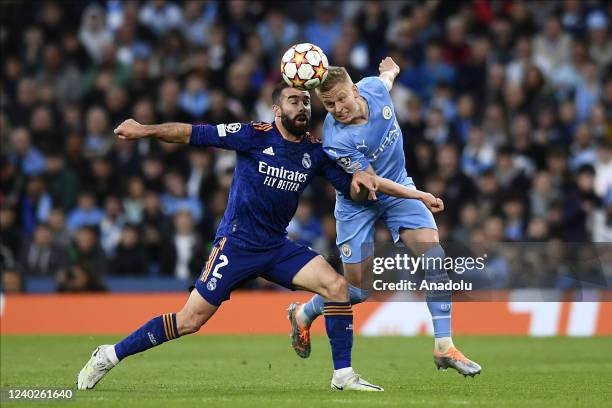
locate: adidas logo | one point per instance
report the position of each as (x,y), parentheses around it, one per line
(269,151)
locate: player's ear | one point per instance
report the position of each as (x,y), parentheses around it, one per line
(277,111)
(355,90)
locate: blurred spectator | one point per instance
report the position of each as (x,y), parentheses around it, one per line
(478,155)
(130,258)
(438,130)
(63,182)
(305,228)
(86,250)
(26,157)
(551,48)
(514,213)
(603,170)
(152,170)
(201,181)
(579,203)
(105,181)
(12,237)
(12,281)
(175,198)
(373,21)
(27,96)
(542,195)
(97,140)
(133,203)
(161,16)
(155,226)
(44,134)
(168,108)
(182,256)
(80,278)
(458,186)
(116,103)
(221,110)
(62,73)
(457,51)
(86,213)
(93,34)
(57,224)
(40,256)
(277,32)
(601,46)
(36,204)
(468,222)
(111,225)
(582,151)
(587,91)
(198,16)
(195,98)
(326,28)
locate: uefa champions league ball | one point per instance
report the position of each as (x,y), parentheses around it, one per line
(304,66)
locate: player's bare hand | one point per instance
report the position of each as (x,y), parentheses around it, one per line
(388,65)
(130,129)
(367,181)
(434,204)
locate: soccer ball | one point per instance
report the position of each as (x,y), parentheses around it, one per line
(304,66)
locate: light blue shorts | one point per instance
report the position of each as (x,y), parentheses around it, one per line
(355,228)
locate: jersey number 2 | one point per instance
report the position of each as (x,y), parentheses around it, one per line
(224,262)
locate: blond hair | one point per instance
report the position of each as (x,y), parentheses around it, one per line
(335,76)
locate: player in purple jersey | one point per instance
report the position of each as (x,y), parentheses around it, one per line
(275,163)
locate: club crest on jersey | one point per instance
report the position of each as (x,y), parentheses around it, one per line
(387,113)
(346,250)
(233,127)
(212,284)
(306,162)
(345,161)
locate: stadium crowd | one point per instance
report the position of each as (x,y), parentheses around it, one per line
(505,107)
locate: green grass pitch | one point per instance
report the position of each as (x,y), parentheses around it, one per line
(263,371)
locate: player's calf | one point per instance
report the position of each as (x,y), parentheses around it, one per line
(153,333)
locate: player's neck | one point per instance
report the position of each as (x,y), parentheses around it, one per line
(364,112)
(288,136)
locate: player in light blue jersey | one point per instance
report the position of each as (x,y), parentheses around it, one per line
(361,133)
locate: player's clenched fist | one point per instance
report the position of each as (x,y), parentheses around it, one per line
(434,204)
(388,65)
(130,129)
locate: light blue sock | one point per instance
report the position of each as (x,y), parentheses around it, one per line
(314,307)
(439,302)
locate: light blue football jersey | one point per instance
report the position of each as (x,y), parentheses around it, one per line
(377,143)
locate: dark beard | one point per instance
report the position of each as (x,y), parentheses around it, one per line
(293,128)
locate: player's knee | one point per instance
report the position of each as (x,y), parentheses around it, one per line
(337,289)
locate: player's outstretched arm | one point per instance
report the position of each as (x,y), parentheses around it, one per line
(394,189)
(388,71)
(167,132)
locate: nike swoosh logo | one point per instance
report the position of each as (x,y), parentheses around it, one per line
(372,386)
(338,388)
